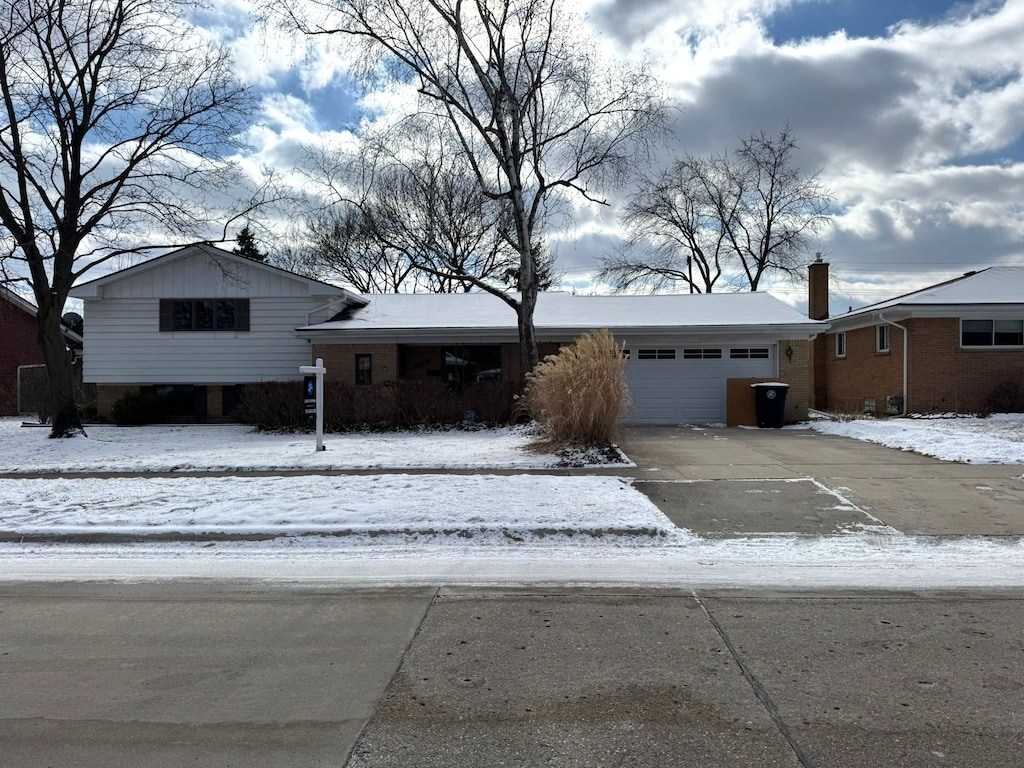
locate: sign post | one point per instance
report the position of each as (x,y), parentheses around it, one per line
(313,396)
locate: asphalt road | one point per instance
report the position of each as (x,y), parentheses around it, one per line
(221,674)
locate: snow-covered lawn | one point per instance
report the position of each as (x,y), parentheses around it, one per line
(460,506)
(999,439)
(237,448)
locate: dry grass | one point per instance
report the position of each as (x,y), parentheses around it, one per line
(578,394)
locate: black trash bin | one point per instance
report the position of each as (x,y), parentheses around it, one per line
(770,403)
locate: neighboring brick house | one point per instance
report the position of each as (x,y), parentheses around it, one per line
(19,345)
(940,349)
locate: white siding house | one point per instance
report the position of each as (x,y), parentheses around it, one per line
(202,317)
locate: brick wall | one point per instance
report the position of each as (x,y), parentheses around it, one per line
(863,374)
(107,395)
(18,346)
(340,360)
(796,373)
(942,376)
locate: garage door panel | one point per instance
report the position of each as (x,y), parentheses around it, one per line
(687,390)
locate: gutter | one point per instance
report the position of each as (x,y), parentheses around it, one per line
(906,338)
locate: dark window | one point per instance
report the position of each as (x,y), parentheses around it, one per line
(882,338)
(992,333)
(840,345)
(364,369)
(468,363)
(698,353)
(204,314)
(656,354)
(749,353)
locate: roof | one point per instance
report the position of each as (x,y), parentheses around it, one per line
(74,339)
(423,313)
(13,298)
(993,286)
(89,289)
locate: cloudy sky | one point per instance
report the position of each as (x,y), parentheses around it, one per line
(913,109)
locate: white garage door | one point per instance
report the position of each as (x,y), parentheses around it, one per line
(686,385)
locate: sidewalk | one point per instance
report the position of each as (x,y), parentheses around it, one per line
(184,673)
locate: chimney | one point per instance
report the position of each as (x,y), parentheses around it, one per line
(817,298)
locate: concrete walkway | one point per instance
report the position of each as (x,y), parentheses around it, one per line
(205,674)
(905,491)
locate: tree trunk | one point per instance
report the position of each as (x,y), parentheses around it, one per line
(527,333)
(64,416)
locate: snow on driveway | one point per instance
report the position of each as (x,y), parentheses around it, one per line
(999,439)
(232,447)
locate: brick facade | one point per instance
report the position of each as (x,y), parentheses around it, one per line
(108,394)
(942,376)
(18,346)
(794,371)
(340,361)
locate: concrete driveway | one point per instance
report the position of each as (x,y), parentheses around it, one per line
(819,484)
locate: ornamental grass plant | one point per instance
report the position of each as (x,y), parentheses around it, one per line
(578,395)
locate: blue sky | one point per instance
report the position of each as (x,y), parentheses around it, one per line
(913,110)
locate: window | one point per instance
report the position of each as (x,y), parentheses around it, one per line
(702,354)
(992,333)
(881,338)
(840,345)
(364,369)
(469,363)
(655,354)
(749,353)
(204,314)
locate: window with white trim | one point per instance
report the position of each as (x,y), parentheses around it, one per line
(992,333)
(749,353)
(841,344)
(655,354)
(881,338)
(702,353)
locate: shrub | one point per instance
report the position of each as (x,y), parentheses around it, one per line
(278,405)
(1007,397)
(136,408)
(578,394)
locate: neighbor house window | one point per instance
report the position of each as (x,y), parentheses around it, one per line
(749,353)
(706,353)
(364,369)
(992,333)
(882,338)
(471,363)
(655,354)
(840,345)
(204,314)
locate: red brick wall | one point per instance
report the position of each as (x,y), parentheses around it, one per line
(18,346)
(340,360)
(942,376)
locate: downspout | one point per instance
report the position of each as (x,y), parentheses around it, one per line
(906,335)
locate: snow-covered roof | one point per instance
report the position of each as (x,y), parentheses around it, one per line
(991,286)
(403,314)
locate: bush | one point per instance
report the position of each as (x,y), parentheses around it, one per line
(1007,397)
(578,394)
(135,409)
(277,405)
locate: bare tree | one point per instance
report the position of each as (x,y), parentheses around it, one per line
(529,106)
(114,117)
(743,216)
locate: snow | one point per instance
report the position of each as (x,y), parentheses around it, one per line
(520,505)
(998,439)
(238,448)
(432,528)
(557,311)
